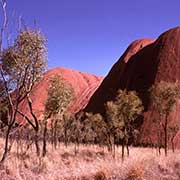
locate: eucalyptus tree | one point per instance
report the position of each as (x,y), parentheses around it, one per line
(164,96)
(115,125)
(121,114)
(99,127)
(74,131)
(60,94)
(21,65)
(95,128)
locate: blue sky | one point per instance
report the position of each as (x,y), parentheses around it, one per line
(90,35)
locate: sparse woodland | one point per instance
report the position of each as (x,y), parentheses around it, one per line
(103,143)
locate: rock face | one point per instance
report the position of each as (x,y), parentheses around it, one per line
(83,84)
(121,74)
(144,62)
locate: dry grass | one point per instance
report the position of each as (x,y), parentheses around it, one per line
(90,163)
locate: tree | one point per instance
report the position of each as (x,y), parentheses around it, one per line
(99,127)
(21,65)
(75,130)
(66,122)
(121,114)
(115,125)
(60,94)
(164,97)
(94,128)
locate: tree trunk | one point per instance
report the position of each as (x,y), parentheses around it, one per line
(122,151)
(36,141)
(12,118)
(75,148)
(127,148)
(172,143)
(159,142)
(6,145)
(52,132)
(114,148)
(65,137)
(159,150)
(55,134)
(109,143)
(165,134)
(44,139)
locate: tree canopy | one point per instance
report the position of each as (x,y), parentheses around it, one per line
(60,94)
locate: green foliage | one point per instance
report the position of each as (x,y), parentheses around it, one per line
(122,112)
(114,120)
(88,132)
(164,96)
(75,129)
(129,104)
(60,94)
(99,126)
(25,61)
(3,114)
(21,65)
(3,104)
(94,128)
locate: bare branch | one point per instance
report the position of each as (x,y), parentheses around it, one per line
(27,118)
(36,127)
(3,6)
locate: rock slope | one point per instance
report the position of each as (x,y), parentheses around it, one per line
(144,62)
(83,84)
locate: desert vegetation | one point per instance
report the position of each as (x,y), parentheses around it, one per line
(82,145)
(164,96)
(21,65)
(92,162)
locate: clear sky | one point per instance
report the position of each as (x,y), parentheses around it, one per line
(90,35)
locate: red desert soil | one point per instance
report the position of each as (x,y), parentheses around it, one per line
(144,62)
(83,84)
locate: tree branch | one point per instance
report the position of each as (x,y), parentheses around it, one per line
(26,117)
(36,127)
(3,6)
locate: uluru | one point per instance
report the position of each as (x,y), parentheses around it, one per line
(144,63)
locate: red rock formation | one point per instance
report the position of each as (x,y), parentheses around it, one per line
(144,62)
(168,69)
(120,74)
(83,84)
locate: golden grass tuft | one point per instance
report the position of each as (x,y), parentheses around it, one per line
(136,173)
